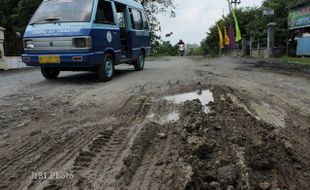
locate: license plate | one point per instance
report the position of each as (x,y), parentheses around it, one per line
(49,59)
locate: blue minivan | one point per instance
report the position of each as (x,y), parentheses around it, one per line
(91,35)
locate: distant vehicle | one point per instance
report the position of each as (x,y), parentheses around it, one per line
(181,49)
(181,45)
(95,35)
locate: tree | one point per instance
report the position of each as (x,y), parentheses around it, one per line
(7,8)
(194,49)
(253,23)
(245,16)
(210,44)
(23,14)
(153,8)
(165,48)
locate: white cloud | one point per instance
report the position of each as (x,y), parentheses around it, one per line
(195,17)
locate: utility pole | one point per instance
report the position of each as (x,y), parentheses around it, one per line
(235,2)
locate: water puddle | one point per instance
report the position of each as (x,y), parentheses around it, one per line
(163,119)
(205,97)
(171,117)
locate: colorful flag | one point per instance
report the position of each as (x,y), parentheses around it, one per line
(231,34)
(226,37)
(220,37)
(238,33)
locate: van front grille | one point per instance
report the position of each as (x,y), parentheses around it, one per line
(53,43)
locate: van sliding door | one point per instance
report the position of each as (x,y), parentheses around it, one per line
(138,34)
(105,32)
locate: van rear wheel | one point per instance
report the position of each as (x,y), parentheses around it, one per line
(105,70)
(139,63)
(50,73)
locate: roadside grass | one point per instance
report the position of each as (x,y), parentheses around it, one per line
(296,60)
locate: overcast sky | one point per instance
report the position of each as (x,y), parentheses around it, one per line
(195,17)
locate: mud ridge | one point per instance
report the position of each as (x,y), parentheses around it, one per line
(231,149)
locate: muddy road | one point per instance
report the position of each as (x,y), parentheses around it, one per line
(182,123)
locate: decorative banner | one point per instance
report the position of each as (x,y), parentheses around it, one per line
(226,37)
(238,33)
(220,37)
(231,34)
(300,17)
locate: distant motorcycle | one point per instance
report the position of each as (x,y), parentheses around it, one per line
(181,49)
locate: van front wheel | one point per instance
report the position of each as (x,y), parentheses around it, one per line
(139,63)
(106,68)
(49,73)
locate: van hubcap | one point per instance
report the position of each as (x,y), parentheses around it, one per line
(109,67)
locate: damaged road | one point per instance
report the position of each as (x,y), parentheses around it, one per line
(182,123)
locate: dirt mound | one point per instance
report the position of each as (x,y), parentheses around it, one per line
(230,149)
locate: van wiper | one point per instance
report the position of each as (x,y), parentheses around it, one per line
(50,19)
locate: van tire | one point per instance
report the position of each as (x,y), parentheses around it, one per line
(105,70)
(50,73)
(139,63)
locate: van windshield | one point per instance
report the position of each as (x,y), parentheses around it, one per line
(63,11)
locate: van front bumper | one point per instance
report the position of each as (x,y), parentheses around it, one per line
(68,60)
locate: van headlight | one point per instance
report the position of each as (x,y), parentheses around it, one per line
(28,44)
(82,42)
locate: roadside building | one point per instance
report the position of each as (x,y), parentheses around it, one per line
(1,41)
(10,51)
(299,29)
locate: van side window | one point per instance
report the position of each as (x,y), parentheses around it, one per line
(136,19)
(105,13)
(145,21)
(121,20)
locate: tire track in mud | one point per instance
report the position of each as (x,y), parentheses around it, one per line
(110,161)
(146,158)
(102,154)
(6,174)
(58,164)
(50,159)
(156,165)
(129,149)
(78,156)
(97,161)
(102,147)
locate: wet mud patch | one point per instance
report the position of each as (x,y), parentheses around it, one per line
(228,148)
(152,160)
(261,110)
(278,67)
(139,146)
(151,142)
